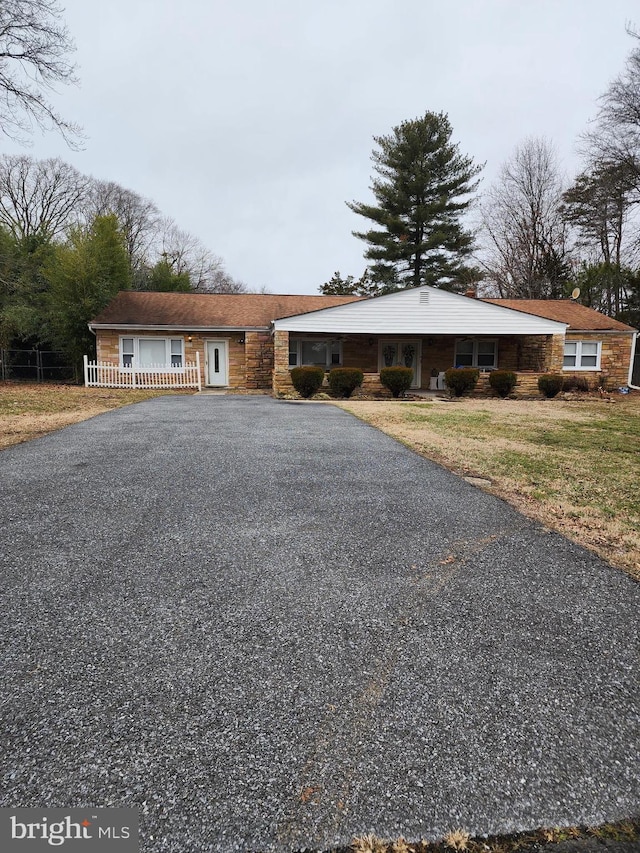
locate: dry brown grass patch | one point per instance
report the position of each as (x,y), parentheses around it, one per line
(29,410)
(572,465)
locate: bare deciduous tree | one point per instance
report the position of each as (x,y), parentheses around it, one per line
(139,217)
(40,198)
(34,50)
(186,253)
(523,230)
(614,138)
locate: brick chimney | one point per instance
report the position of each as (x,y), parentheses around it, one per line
(470,292)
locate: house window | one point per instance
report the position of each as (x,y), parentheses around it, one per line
(126,351)
(176,353)
(471,352)
(582,355)
(151,352)
(318,353)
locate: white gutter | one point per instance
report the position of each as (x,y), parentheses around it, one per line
(600,332)
(137,327)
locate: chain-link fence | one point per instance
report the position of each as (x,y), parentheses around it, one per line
(34,365)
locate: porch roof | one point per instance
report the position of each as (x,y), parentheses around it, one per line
(422,311)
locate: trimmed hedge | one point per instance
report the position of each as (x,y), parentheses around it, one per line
(461,379)
(343,381)
(307,380)
(503,382)
(550,384)
(397,379)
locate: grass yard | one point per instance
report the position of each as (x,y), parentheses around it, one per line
(28,410)
(573,465)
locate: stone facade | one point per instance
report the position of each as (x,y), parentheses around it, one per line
(259,360)
(615,357)
(108,350)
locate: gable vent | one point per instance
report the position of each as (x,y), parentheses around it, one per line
(424,297)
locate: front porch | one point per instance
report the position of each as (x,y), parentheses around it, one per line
(526,355)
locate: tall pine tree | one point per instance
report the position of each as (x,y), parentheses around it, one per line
(424,187)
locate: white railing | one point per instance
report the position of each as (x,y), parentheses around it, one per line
(101,374)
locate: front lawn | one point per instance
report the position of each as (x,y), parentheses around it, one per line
(574,465)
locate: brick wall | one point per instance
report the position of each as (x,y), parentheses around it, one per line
(437,354)
(361,351)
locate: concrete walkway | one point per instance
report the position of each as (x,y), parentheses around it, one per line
(272,628)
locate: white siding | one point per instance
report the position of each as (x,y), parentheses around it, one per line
(421,311)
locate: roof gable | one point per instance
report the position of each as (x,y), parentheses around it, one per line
(422,311)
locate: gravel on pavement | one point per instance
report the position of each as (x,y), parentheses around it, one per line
(270,627)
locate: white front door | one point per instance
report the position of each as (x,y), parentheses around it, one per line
(217,363)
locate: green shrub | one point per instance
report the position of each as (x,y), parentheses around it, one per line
(503,382)
(550,384)
(343,381)
(575,383)
(397,379)
(307,380)
(461,379)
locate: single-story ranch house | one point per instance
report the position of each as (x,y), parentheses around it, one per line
(251,341)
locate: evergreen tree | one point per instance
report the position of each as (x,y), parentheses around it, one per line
(23,289)
(164,278)
(338,286)
(86,273)
(424,187)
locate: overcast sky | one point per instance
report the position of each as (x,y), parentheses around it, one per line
(251,122)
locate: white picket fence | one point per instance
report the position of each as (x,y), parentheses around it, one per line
(101,374)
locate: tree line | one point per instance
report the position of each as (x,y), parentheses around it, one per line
(69,243)
(531,235)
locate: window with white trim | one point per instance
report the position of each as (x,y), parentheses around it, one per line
(317,352)
(582,355)
(476,352)
(126,352)
(151,352)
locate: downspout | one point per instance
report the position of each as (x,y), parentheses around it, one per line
(632,362)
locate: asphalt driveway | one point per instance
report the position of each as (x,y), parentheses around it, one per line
(271,627)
